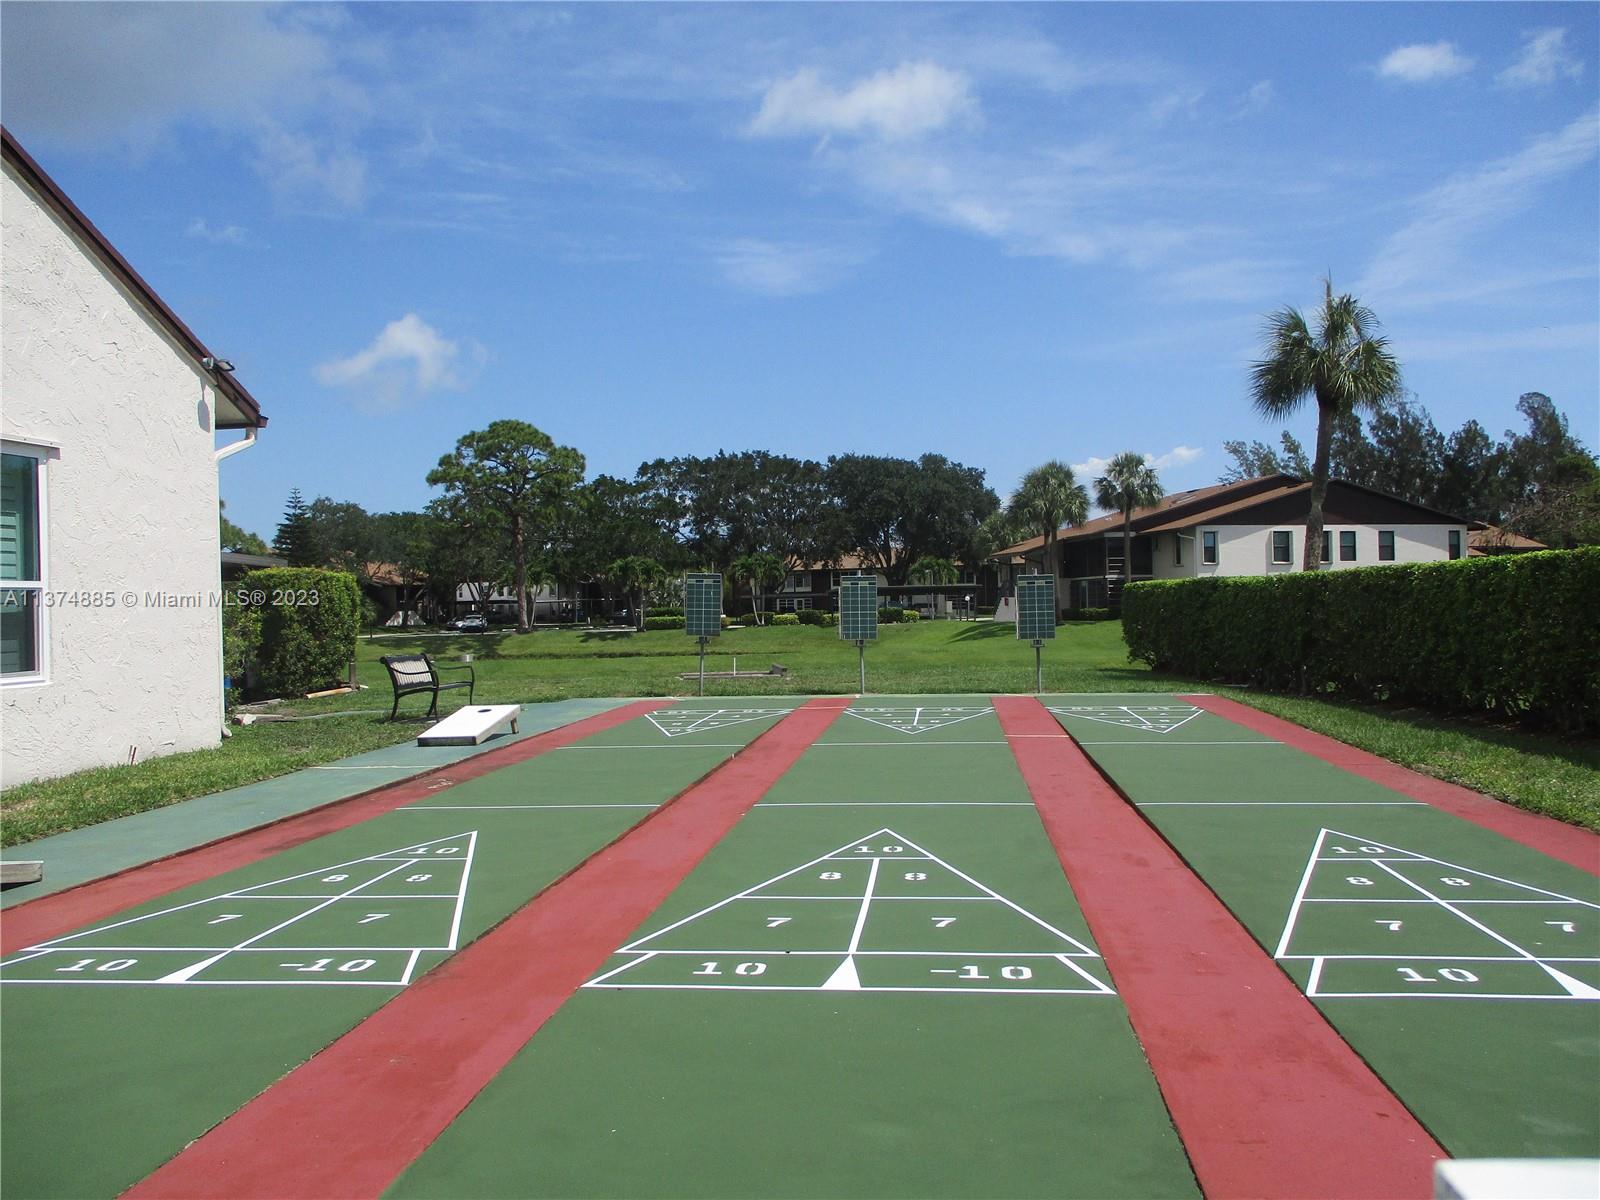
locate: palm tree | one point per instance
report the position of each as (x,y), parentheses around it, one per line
(759,570)
(1129,483)
(1344,365)
(1047,499)
(932,569)
(635,576)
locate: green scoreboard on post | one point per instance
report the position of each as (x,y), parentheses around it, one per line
(702,604)
(1036,607)
(858,608)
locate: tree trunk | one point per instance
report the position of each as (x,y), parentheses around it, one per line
(519,553)
(1319,486)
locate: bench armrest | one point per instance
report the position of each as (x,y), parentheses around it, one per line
(467,667)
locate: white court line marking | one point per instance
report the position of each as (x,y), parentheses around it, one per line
(184,974)
(747,987)
(989,742)
(1285,804)
(1500,958)
(666,746)
(845,977)
(411,965)
(896,803)
(916,726)
(1240,742)
(508,807)
(1299,895)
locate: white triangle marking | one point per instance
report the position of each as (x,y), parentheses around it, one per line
(936,721)
(1132,715)
(844,979)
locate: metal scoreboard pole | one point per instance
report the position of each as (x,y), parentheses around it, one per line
(1036,618)
(858,615)
(702,612)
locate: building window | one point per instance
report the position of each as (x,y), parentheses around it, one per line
(1385,545)
(1327,545)
(1177,549)
(1347,545)
(1282,546)
(22,613)
(1455,543)
(1208,547)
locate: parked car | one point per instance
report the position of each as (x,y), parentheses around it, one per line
(471,623)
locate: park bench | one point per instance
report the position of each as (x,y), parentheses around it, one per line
(417,673)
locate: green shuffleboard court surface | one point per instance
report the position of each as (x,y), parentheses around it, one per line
(878,984)
(1036,607)
(702,604)
(1464,967)
(125,1041)
(858,608)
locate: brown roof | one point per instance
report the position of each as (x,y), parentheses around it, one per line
(50,192)
(1169,507)
(1205,505)
(1484,538)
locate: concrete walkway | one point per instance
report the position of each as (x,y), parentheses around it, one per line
(99,850)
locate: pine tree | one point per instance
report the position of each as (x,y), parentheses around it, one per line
(295,539)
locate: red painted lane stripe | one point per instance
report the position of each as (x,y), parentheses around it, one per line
(51,916)
(347,1122)
(1268,1099)
(1568,843)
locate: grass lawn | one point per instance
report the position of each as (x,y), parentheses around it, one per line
(1539,772)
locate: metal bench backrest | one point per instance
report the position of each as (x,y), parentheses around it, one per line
(411,671)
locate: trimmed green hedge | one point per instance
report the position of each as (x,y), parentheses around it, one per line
(898,616)
(788,618)
(664,622)
(308,622)
(1515,634)
(811,616)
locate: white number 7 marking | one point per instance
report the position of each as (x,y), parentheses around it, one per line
(774,922)
(371,917)
(943,922)
(224,917)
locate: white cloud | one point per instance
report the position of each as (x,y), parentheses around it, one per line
(1544,60)
(1256,99)
(1473,201)
(912,99)
(406,361)
(1424,62)
(783,268)
(226,235)
(297,169)
(1091,468)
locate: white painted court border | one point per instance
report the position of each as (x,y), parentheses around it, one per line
(1342,851)
(883,846)
(351,972)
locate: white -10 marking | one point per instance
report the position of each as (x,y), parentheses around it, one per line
(1394,926)
(1453,974)
(1564,926)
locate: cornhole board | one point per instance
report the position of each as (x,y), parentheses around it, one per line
(21,871)
(470,725)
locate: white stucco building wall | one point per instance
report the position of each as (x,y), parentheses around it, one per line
(1247,549)
(93,380)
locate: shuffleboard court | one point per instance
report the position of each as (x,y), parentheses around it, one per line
(879,969)
(1463,966)
(125,1040)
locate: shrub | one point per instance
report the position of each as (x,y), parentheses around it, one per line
(830,619)
(891,616)
(663,611)
(665,621)
(1090,614)
(1514,635)
(309,619)
(786,618)
(751,619)
(811,616)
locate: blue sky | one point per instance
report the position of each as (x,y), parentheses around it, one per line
(1000,233)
